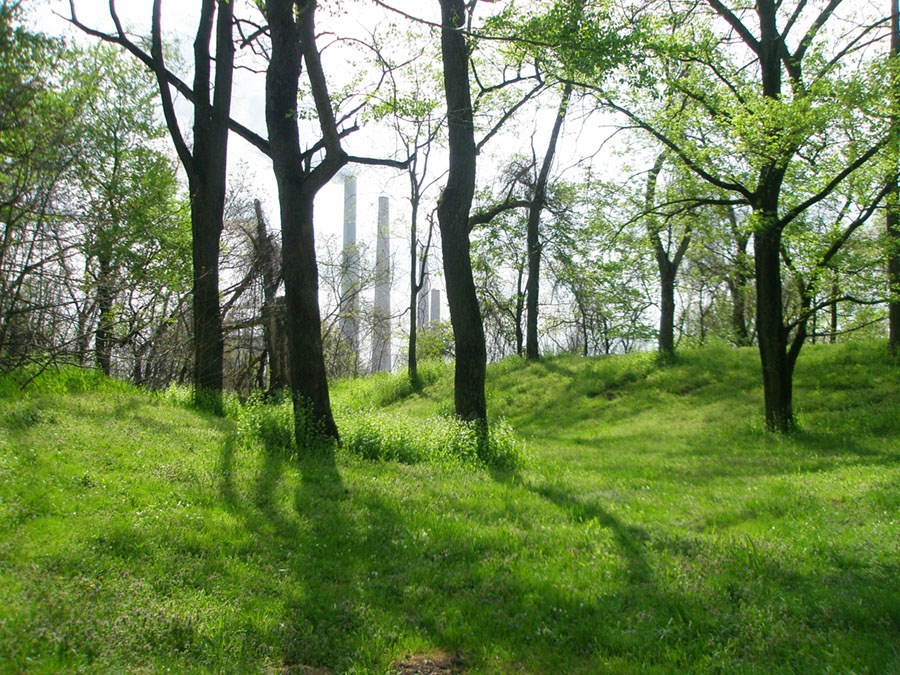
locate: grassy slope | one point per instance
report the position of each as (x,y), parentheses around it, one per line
(657,528)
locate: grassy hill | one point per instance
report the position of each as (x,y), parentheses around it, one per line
(653,526)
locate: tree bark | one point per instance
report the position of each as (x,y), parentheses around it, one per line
(519,312)
(835,291)
(206,225)
(416,280)
(777,366)
(893,228)
(453,216)
(737,284)
(666,305)
(272,322)
(666,266)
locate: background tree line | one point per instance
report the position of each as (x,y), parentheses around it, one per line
(752,199)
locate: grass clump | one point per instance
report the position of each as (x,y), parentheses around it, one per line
(378,435)
(384,389)
(35,381)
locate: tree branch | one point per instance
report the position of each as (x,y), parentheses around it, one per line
(832,185)
(736,23)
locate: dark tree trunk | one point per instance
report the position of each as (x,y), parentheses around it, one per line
(739,312)
(309,384)
(893,213)
(103,338)
(894,280)
(416,281)
(412,359)
(538,201)
(293,37)
(453,216)
(206,221)
(206,166)
(666,305)
(835,290)
(776,366)
(520,311)
(737,284)
(666,265)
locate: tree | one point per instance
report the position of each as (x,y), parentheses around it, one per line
(39,142)
(667,261)
(412,108)
(538,200)
(780,126)
(204,163)
(500,262)
(128,188)
(453,216)
(892,219)
(292,32)
(293,44)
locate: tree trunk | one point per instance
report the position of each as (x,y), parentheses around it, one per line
(266,255)
(739,312)
(296,192)
(666,265)
(309,383)
(893,215)
(206,166)
(533,234)
(835,290)
(666,306)
(737,284)
(777,368)
(103,336)
(520,311)
(894,281)
(415,285)
(206,225)
(453,216)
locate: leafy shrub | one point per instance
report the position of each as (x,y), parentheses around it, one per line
(269,425)
(178,395)
(436,342)
(265,425)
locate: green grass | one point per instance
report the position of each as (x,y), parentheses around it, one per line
(655,527)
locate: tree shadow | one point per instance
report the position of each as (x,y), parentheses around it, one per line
(372,566)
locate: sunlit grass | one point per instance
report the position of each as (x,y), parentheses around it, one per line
(655,528)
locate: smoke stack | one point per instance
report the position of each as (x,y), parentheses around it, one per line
(381,338)
(350,274)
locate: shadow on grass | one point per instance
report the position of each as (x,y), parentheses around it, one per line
(629,538)
(373,568)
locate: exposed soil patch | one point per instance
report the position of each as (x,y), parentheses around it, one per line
(434,663)
(304,670)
